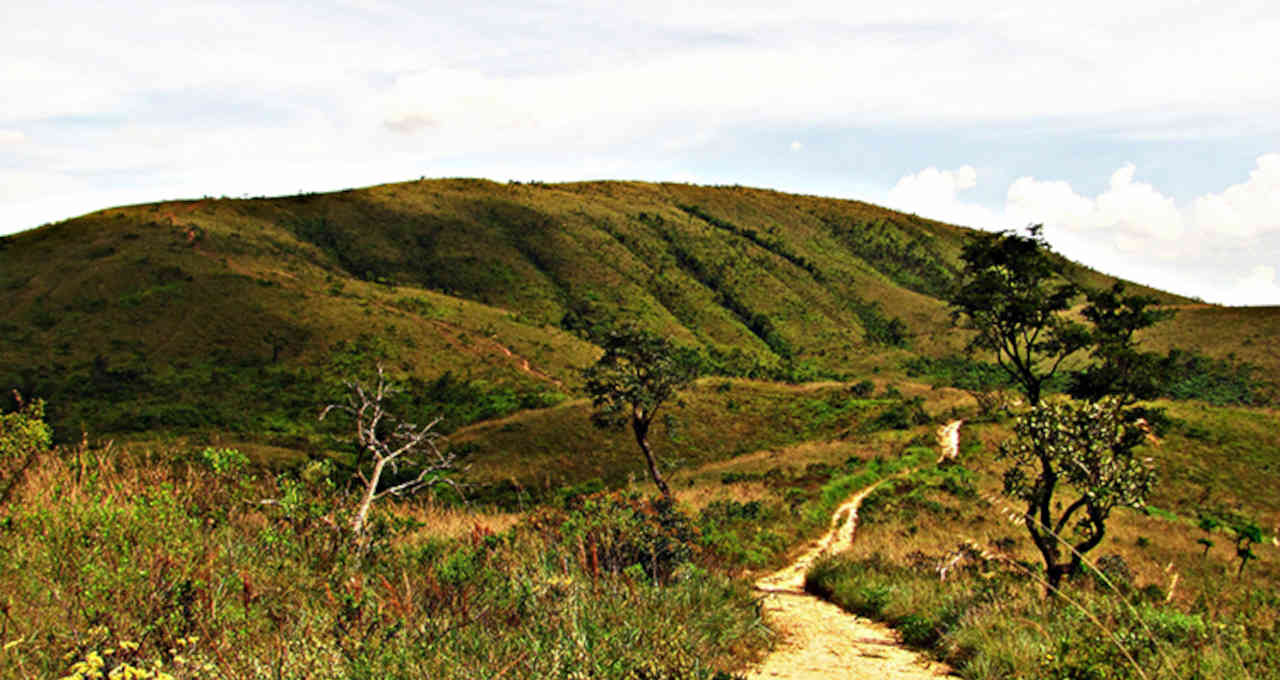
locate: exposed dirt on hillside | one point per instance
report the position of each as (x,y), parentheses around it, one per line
(820,640)
(525,366)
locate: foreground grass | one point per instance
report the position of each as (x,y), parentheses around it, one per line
(995,624)
(142,561)
(938,559)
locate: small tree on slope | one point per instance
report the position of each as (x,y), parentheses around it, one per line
(639,372)
(1087,451)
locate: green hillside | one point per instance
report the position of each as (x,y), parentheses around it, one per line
(239,315)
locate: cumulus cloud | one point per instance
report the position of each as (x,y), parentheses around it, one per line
(1246,209)
(1128,218)
(1030,200)
(1137,215)
(935,194)
(1132,213)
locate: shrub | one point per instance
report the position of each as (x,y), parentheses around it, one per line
(614,531)
(23,435)
(224,461)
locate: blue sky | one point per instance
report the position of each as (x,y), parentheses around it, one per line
(1145,135)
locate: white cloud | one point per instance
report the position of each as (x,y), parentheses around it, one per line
(1258,287)
(796,146)
(12,137)
(1134,216)
(1030,202)
(1136,209)
(1245,209)
(1130,228)
(935,194)
(1142,218)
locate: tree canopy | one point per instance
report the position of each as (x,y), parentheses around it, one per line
(1010,295)
(1120,367)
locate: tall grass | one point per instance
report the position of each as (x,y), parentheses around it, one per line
(141,560)
(989,618)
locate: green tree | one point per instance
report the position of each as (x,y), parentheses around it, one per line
(639,373)
(1085,450)
(1246,533)
(1011,296)
(1120,368)
(1208,524)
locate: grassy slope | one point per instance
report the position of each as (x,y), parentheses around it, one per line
(162,317)
(719,419)
(988,619)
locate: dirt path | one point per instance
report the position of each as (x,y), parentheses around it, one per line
(820,640)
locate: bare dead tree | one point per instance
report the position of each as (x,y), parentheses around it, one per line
(386,443)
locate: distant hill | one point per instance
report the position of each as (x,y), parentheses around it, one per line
(239,314)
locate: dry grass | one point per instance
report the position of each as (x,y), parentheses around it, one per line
(437,520)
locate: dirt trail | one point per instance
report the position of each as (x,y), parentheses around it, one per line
(820,640)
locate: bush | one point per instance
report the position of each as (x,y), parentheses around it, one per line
(862,389)
(614,531)
(23,435)
(128,563)
(1188,375)
(901,415)
(224,461)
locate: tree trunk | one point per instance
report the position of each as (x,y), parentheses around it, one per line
(1054,575)
(640,426)
(357,524)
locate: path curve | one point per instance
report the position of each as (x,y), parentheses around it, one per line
(820,640)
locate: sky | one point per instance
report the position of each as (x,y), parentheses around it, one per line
(1144,135)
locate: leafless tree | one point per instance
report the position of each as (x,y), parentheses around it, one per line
(386,442)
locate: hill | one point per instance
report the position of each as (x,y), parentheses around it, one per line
(239,315)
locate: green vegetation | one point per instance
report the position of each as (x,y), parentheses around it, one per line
(213,536)
(168,317)
(937,561)
(718,419)
(1178,374)
(993,626)
(23,435)
(1009,296)
(116,559)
